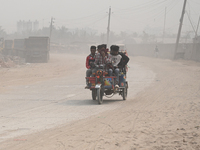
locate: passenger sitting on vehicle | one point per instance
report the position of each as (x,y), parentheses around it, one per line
(123,63)
(90,63)
(115,58)
(103,58)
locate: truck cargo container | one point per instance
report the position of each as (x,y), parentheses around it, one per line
(37,49)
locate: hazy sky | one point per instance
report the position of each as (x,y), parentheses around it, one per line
(127,15)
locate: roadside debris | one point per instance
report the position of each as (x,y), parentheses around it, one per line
(10,61)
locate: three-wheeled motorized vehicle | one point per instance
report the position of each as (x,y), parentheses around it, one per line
(103,85)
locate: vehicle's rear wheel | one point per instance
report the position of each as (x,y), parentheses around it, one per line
(94,94)
(100,95)
(124,92)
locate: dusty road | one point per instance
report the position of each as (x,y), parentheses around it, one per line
(45,106)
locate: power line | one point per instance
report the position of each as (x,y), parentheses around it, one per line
(89,16)
(144,9)
(159,8)
(195,2)
(139,7)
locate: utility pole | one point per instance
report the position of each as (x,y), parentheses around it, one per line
(51,27)
(197,28)
(164,25)
(180,27)
(108,28)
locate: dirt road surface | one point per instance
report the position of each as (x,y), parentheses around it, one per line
(45,107)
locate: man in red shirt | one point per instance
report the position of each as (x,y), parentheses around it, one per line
(90,63)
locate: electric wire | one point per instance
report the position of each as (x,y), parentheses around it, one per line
(156,16)
(140,7)
(153,12)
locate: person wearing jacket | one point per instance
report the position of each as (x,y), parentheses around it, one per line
(116,58)
(123,63)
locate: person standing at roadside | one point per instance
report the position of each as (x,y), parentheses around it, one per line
(156,51)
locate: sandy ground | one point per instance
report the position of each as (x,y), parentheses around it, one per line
(162,111)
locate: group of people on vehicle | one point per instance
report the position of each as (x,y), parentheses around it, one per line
(114,61)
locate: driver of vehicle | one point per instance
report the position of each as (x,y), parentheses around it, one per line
(103,58)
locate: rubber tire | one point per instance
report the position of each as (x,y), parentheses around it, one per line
(124,93)
(100,96)
(94,94)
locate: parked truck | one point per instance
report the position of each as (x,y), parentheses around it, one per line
(37,49)
(8,47)
(1,44)
(19,47)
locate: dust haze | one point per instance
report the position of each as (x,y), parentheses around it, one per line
(78,24)
(43,100)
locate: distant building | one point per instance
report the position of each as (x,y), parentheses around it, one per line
(19,26)
(35,25)
(27,26)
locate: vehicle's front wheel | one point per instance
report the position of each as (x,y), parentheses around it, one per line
(94,94)
(100,95)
